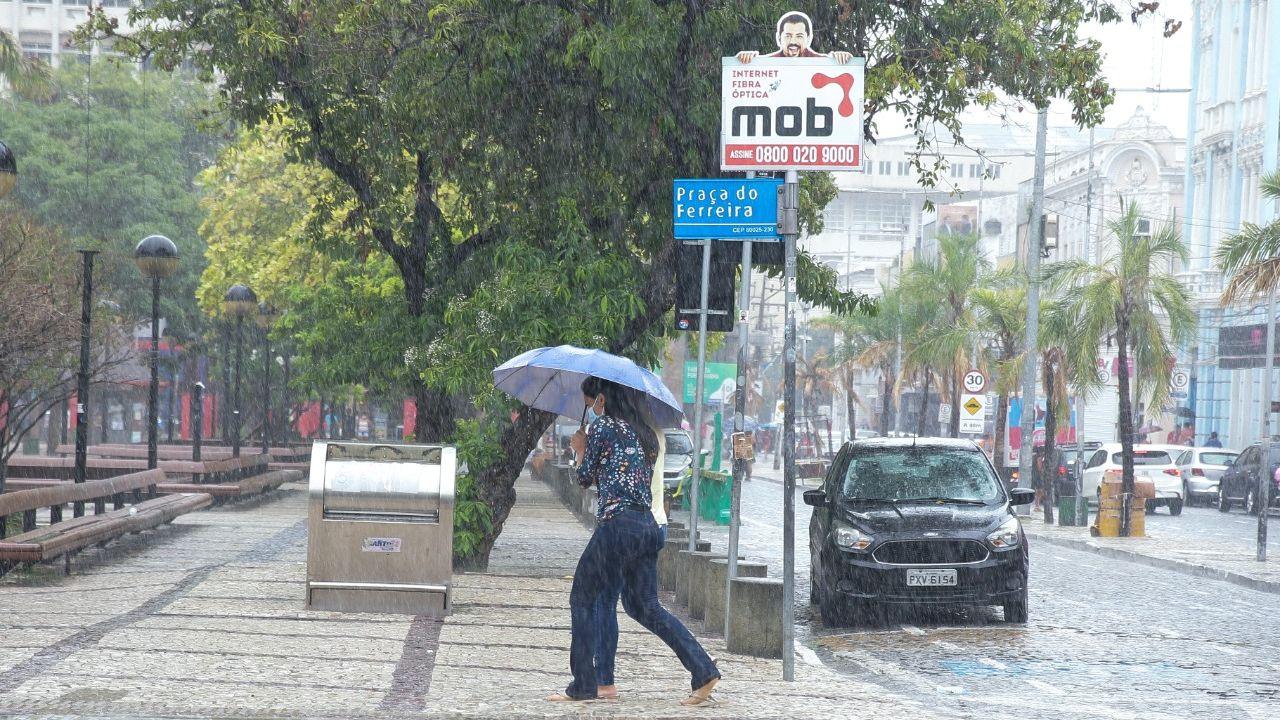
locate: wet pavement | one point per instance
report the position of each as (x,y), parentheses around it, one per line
(1108,638)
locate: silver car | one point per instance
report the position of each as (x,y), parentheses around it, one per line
(1201,469)
(679,458)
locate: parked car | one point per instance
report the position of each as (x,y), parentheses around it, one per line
(1151,462)
(1072,451)
(915,521)
(679,458)
(1240,481)
(1201,470)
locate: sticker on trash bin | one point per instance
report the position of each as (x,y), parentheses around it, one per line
(381,545)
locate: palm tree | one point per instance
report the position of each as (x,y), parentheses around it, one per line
(1130,296)
(815,380)
(1252,256)
(945,339)
(870,340)
(30,77)
(1001,308)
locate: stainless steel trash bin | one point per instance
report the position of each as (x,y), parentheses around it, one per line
(381,528)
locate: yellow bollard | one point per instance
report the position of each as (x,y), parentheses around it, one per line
(1111,506)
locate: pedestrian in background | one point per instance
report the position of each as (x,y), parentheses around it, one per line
(1213,441)
(617,456)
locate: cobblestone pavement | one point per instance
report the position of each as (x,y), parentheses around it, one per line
(204,618)
(1108,638)
(1201,540)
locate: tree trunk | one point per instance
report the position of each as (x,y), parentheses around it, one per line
(1048,466)
(435,421)
(1002,419)
(1126,417)
(495,484)
(851,414)
(922,421)
(886,404)
(953,423)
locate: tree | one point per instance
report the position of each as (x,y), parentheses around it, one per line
(1251,257)
(40,334)
(495,147)
(1130,296)
(1001,308)
(110,158)
(948,326)
(29,77)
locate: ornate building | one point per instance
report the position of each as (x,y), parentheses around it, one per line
(1233,131)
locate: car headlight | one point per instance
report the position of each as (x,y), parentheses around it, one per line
(850,538)
(1007,535)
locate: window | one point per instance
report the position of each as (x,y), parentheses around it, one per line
(903,168)
(1098,458)
(1217,458)
(886,167)
(1144,457)
(833,216)
(37,45)
(910,473)
(957,171)
(995,172)
(974,170)
(1184,458)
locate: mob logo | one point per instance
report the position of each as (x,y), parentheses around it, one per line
(811,120)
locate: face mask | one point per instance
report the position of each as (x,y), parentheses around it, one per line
(592,416)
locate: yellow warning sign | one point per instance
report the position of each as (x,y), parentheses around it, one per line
(973,406)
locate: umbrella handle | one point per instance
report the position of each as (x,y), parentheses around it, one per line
(582,425)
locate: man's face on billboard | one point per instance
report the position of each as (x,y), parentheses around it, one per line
(794,39)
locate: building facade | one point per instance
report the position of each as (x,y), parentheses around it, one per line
(44,27)
(1233,131)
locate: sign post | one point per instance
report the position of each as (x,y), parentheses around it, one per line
(790,110)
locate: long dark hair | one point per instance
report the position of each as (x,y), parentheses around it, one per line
(628,405)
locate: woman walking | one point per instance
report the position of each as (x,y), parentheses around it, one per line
(617,456)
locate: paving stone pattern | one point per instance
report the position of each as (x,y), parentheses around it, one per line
(205,618)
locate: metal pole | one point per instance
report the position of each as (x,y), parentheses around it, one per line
(1265,476)
(197,419)
(1035,237)
(226,380)
(153,396)
(790,231)
(697,396)
(82,377)
(235,411)
(284,400)
(1081,502)
(740,473)
(897,350)
(266,392)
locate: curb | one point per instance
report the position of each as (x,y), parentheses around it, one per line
(1180,566)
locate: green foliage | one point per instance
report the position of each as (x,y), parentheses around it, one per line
(1251,257)
(512,161)
(472,518)
(110,159)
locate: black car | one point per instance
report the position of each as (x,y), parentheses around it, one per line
(1239,483)
(915,521)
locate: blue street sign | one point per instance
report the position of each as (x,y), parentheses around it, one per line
(731,209)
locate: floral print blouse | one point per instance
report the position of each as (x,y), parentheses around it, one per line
(614,462)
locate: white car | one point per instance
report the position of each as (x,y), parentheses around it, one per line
(1201,470)
(1156,463)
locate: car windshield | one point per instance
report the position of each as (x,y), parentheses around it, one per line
(1144,457)
(925,472)
(1217,458)
(679,444)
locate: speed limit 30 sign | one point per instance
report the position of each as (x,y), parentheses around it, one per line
(975,382)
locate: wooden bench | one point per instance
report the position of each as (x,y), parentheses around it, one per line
(212,471)
(63,538)
(243,488)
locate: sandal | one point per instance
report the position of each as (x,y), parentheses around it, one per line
(702,695)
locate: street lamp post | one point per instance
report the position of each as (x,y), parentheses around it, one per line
(197,419)
(157,258)
(266,316)
(82,378)
(238,302)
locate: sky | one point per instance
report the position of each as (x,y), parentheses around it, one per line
(1136,56)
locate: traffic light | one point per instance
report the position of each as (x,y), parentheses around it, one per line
(721,290)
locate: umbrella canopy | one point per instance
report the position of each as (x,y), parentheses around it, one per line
(550,378)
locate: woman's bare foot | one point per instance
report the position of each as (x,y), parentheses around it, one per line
(607,692)
(702,694)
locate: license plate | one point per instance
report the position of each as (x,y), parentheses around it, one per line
(931,578)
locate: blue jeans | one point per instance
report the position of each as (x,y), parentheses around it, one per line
(607,625)
(623,553)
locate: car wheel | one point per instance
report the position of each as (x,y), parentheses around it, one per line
(1016,611)
(1224,502)
(1175,507)
(1251,501)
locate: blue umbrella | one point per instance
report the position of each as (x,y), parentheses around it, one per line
(550,378)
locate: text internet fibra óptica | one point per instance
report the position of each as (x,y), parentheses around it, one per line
(693,203)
